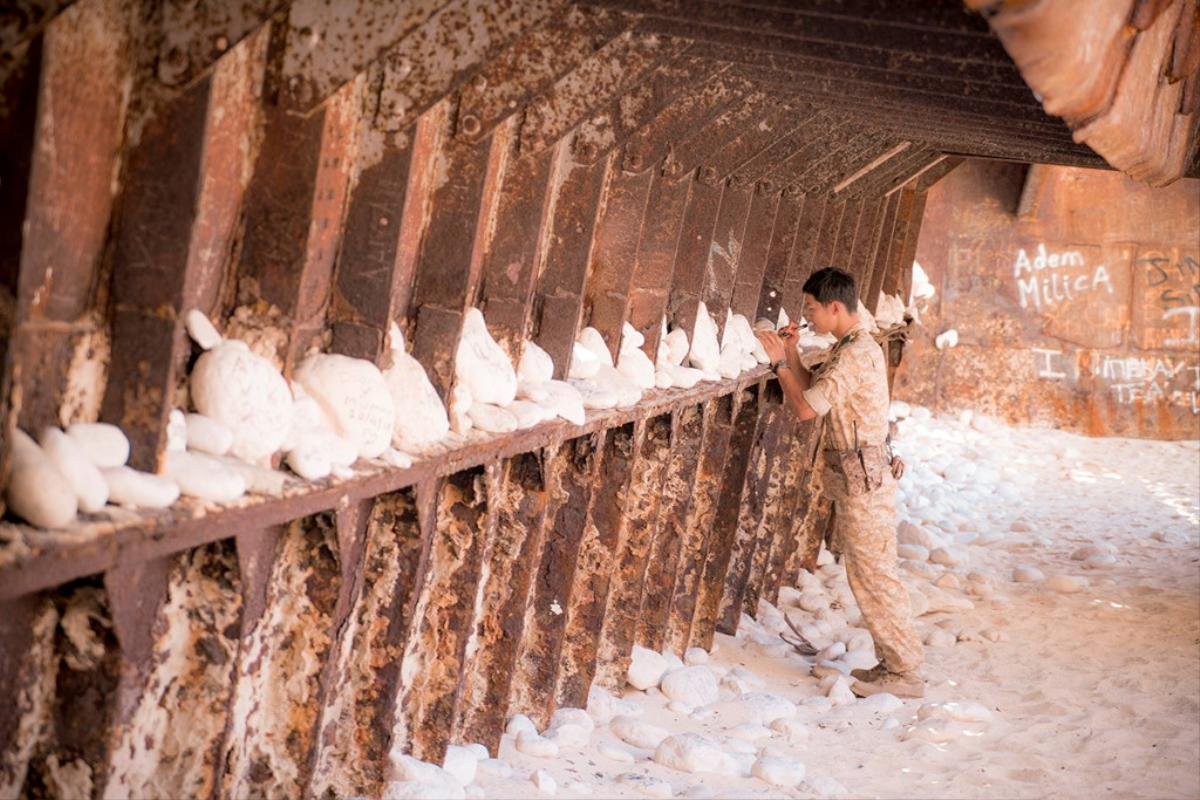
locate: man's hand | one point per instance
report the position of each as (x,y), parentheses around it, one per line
(790,333)
(773,343)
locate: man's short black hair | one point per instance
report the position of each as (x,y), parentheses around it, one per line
(831,283)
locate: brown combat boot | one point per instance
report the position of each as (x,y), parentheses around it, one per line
(906,684)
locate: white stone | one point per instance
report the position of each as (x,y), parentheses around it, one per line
(201,329)
(961,711)
(627,392)
(1027,574)
(682,377)
(835,650)
(572,716)
(176,430)
(207,435)
(460,407)
(765,707)
(584,363)
(105,445)
(696,686)
(636,732)
(646,785)
(680,708)
(691,752)
(596,395)
(518,723)
(614,752)
(568,735)
(247,394)
(537,746)
(782,772)
(740,746)
(83,476)
(646,668)
(750,731)
(1064,584)
(495,768)
(580,787)
(544,782)
(631,336)
(37,490)
(637,367)
(934,731)
(355,398)
(909,533)
(535,365)
(461,762)
(705,353)
(1099,561)
(309,463)
(204,477)
(839,693)
(791,728)
(482,365)
(946,339)
(677,346)
(421,420)
(912,551)
(826,786)
(603,705)
(948,580)
(491,418)
(694,656)
(591,338)
(528,414)
(882,703)
(947,556)
(940,638)
(134,489)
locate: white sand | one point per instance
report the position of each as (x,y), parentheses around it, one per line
(1091,694)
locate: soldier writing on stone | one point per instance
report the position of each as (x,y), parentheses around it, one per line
(850,392)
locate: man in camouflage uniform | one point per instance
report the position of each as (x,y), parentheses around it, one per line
(849,390)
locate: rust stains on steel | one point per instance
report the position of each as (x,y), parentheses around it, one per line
(309,173)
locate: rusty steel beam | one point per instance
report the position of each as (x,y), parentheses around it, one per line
(606,293)
(514,256)
(360,712)
(852,221)
(182,183)
(756,154)
(666,549)
(866,245)
(671,132)
(570,474)
(719,542)
(792,207)
(602,541)
(825,252)
(582,197)
(879,265)
(519,499)
(750,276)
(449,259)
(697,526)
(701,144)
(893,281)
(191,37)
(611,71)
(803,258)
(635,563)
(533,63)
(654,270)
(723,260)
(284,644)
(297,195)
(460,533)
(776,501)
(62,127)
(624,116)
(761,464)
(691,258)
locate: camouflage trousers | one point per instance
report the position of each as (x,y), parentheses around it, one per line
(865,532)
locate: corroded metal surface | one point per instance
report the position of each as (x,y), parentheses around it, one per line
(309,173)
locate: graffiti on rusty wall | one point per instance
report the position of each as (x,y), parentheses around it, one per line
(1075,296)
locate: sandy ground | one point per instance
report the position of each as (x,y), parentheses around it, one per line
(1086,689)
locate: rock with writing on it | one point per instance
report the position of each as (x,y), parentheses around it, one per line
(247,394)
(482,365)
